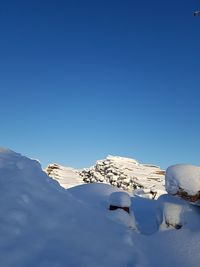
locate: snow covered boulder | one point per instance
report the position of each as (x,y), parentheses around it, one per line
(184,181)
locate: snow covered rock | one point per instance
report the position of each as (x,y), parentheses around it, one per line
(184,180)
(42,224)
(127,174)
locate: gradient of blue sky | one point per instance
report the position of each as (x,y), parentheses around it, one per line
(81,79)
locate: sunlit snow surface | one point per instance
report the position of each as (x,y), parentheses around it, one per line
(44,225)
(183,176)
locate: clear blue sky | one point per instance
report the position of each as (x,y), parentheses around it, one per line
(83,79)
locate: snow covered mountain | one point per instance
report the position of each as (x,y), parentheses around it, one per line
(125,173)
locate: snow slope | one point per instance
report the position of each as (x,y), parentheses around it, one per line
(44,225)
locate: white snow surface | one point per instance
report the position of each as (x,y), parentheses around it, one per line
(120,199)
(66,176)
(183,176)
(44,225)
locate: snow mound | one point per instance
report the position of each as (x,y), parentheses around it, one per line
(183,180)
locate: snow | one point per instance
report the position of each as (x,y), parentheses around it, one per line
(172,215)
(183,176)
(120,160)
(66,176)
(120,199)
(41,224)
(125,173)
(122,217)
(44,225)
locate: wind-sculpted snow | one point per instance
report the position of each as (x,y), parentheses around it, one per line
(44,225)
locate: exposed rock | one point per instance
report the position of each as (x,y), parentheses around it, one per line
(191,198)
